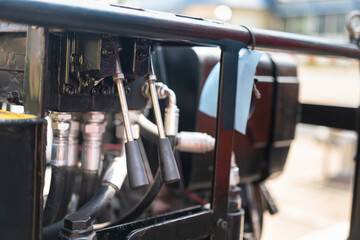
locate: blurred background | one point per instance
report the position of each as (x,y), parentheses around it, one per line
(314,192)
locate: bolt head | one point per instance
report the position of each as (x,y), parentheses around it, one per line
(94,128)
(74,125)
(105,91)
(94,91)
(62,126)
(69,90)
(60,116)
(94,116)
(77,222)
(221,224)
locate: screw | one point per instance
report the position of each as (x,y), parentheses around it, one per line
(81,59)
(94,91)
(107,51)
(105,91)
(77,222)
(69,90)
(143,55)
(13,97)
(222,224)
(127,91)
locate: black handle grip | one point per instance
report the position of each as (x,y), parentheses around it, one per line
(135,166)
(169,169)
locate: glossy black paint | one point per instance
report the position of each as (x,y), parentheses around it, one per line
(122,231)
(330,116)
(22,168)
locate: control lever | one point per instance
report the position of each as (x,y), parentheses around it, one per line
(134,163)
(169,169)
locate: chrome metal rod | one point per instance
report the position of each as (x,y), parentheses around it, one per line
(119,78)
(124,108)
(156,107)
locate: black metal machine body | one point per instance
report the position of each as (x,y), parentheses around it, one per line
(72,56)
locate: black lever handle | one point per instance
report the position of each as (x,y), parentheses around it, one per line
(135,167)
(169,168)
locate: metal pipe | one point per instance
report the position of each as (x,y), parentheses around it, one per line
(171,111)
(99,17)
(194,142)
(73,142)
(148,130)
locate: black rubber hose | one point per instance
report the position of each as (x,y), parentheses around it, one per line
(92,208)
(147,199)
(88,186)
(57,186)
(68,190)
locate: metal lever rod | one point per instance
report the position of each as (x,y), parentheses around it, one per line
(119,80)
(156,107)
(135,167)
(169,169)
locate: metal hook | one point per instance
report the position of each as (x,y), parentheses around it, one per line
(252,37)
(354,31)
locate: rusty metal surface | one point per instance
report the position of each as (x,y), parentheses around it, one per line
(12,27)
(35,68)
(12,57)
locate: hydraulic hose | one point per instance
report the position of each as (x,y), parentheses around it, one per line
(70,173)
(71,165)
(93,208)
(145,202)
(58,178)
(88,185)
(111,183)
(149,195)
(59,150)
(93,129)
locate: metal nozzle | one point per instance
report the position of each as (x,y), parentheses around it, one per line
(93,129)
(60,125)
